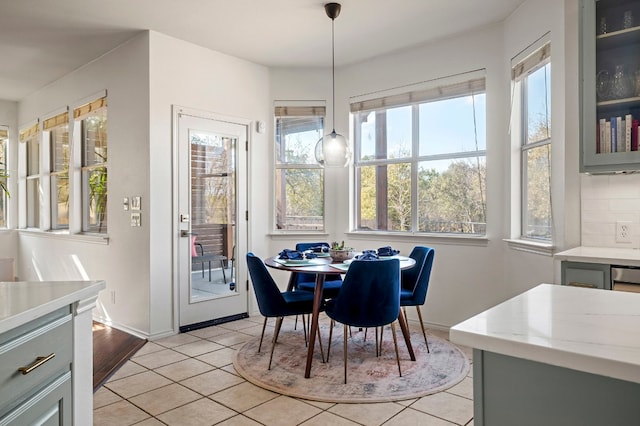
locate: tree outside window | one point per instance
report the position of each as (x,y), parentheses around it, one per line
(93,124)
(299,179)
(420,166)
(537,219)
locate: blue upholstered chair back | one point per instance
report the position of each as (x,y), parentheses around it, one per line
(310,278)
(370,294)
(416,279)
(271,303)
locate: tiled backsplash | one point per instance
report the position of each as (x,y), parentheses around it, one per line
(607,199)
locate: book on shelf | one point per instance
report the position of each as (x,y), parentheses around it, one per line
(627,132)
(620,147)
(614,135)
(607,137)
(598,137)
(603,138)
(634,135)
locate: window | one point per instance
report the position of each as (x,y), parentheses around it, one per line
(420,160)
(4,143)
(532,78)
(57,130)
(31,137)
(91,123)
(299,179)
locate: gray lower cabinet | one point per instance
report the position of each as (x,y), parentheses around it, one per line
(35,371)
(510,391)
(581,274)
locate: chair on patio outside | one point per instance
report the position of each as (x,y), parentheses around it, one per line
(201,257)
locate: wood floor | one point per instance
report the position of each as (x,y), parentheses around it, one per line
(111,349)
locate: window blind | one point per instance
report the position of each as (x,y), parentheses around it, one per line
(538,57)
(300,111)
(88,108)
(28,133)
(438,92)
(57,120)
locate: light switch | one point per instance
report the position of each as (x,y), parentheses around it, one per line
(136,219)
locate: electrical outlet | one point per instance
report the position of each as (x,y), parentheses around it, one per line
(623,232)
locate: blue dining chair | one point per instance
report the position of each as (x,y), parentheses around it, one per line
(273,303)
(415,282)
(307,282)
(369,297)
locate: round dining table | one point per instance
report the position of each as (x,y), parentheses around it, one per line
(322,266)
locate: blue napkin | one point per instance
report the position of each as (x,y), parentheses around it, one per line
(295,255)
(387,251)
(367,255)
(320,249)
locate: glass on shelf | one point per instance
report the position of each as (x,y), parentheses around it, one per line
(603,82)
(621,87)
(628,19)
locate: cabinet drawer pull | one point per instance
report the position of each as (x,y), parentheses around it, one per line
(577,284)
(39,361)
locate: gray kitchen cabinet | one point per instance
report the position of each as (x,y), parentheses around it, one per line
(35,371)
(610,85)
(582,274)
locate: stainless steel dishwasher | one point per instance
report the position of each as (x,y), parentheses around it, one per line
(625,278)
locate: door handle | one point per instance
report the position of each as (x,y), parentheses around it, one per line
(185,233)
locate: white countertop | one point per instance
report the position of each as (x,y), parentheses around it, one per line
(21,302)
(595,331)
(607,255)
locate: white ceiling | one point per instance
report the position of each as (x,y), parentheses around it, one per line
(42,40)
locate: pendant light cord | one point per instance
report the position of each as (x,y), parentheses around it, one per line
(333,73)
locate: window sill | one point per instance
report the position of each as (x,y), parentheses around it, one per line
(528,246)
(281,235)
(64,235)
(453,239)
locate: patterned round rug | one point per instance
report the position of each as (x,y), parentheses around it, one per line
(369,378)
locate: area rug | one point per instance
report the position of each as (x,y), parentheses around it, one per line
(370,378)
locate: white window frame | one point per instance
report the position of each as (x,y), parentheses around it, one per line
(532,59)
(466,84)
(4,171)
(83,171)
(31,136)
(50,129)
(297,109)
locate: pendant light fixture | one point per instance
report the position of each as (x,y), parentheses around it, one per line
(332,150)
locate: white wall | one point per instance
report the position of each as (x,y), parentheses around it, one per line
(124,261)
(152,72)
(187,75)
(468,276)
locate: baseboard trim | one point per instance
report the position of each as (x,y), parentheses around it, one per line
(209,323)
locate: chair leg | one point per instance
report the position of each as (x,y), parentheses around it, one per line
(275,339)
(330,335)
(295,324)
(395,343)
(344,333)
(319,342)
(224,275)
(304,331)
(378,346)
(264,325)
(424,333)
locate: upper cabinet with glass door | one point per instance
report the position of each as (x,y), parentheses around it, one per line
(610,91)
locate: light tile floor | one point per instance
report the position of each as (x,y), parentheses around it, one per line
(189,379)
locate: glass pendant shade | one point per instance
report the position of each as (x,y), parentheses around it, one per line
(332,150)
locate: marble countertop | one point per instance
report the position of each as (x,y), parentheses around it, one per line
(608,255)
(595,331)
(21,302)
